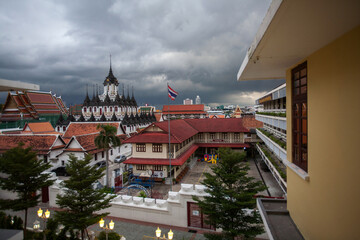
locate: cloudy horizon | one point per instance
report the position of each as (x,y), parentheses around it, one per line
(196,46)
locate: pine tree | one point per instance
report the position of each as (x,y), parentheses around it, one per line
(107,138)
(23,174)
(231,194)
(80,200)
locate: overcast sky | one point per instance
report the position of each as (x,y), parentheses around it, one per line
(196,46)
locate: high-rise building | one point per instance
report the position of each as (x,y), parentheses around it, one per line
(197,100)
(188,101)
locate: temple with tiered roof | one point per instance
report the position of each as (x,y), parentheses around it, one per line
(109,105)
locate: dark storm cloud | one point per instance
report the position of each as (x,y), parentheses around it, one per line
(197,46)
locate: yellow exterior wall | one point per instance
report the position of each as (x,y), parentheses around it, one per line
(149,153)
(328,205)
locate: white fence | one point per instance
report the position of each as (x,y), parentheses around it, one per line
(172,211)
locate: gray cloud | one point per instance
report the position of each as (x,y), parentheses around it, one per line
(197,46)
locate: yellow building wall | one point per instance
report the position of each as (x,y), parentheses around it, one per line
(328,205)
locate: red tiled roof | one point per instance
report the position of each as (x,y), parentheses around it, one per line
(217,125)
(161,161)
(82,128)
(37,97)
(87,141)
(184,109)
(179,129)
(39,143)
(249,121)
(182,129)
(33,103)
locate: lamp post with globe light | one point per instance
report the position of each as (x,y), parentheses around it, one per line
(106,228)
(158,234)
(44,216)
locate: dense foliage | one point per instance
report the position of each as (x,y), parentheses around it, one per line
(22,173)
(80,200)
(107,138)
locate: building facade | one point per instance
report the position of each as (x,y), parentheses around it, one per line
(188,138)
(321,69)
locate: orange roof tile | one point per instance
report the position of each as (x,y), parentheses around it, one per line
(39,143)
(40,127)
(249,121)
(82,128)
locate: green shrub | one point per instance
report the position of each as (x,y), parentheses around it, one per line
(274,163)
(111,236)
(272,114)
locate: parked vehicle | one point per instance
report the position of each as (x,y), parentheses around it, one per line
(101,164)
(60,171)
(120,159)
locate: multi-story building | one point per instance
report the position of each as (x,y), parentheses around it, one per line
(188,137)
(314,45)
(273,133)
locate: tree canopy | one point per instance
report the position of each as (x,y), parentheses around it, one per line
(230,204)
(22,173)
(107,138)
(80,200)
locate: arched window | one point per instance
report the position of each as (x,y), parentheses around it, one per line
(100,111)
(64,128)
(90,109)
(105,109)
(110,109)
(84,109)
(116,109)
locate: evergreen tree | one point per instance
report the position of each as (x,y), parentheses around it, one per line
(80,200)
(22,173)
(107,138)
(231,194)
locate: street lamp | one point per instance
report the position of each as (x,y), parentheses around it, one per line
(106,228)
(36,225)
(158,234)
(45,216)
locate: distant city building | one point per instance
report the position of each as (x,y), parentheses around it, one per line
(197,100)
(146,109)
(188,101)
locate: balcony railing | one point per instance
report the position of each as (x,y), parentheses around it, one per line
(274,147)
(273,170)
(252,140)
(279,122)
(219,141)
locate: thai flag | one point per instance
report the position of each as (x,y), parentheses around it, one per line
(172,93)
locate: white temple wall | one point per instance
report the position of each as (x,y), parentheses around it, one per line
(172,211)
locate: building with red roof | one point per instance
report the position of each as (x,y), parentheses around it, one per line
(46,146)
(31,105)
(188,138)
(184,111)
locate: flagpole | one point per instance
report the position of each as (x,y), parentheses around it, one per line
(171,182)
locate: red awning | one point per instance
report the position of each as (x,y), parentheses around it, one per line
(161,161)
